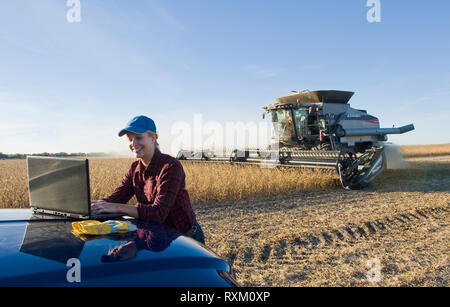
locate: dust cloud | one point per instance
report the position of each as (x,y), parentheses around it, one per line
(394,157)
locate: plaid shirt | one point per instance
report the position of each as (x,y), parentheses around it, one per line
(160,192)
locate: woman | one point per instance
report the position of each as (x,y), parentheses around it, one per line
(157,180)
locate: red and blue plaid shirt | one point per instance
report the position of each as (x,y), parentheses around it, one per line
(160,192)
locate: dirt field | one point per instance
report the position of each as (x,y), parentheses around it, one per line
(326,238)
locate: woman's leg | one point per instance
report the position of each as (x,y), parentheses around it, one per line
(199,236)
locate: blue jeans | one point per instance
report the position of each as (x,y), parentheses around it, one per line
(198,235)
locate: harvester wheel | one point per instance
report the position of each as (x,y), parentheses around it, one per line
(347,168)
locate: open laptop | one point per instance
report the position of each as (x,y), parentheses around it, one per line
(60,186)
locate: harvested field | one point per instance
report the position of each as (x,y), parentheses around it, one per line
(326,238)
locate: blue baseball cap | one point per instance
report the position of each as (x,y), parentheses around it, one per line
(139,124)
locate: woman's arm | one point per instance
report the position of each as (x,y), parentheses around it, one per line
(123,193)
(168,185)
(116,202)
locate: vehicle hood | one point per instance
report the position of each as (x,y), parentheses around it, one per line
(39,250)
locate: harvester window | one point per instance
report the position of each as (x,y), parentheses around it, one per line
(285,124)
(301,122)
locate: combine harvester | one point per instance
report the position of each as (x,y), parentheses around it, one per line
(318,129)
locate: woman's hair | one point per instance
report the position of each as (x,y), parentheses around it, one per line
(156,136)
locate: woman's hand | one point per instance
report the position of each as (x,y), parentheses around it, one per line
(123,252)
(101,207)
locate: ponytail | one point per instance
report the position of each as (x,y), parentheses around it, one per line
(156,136)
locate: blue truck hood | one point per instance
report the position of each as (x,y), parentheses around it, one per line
(38,250)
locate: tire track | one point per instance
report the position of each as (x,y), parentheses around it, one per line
(351,233)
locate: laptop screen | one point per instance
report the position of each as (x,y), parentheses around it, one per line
(59,184)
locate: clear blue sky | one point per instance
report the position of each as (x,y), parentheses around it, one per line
(72,86)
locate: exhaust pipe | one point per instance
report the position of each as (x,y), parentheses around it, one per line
(378,131)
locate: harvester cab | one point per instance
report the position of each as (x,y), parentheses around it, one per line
(323,120)
(319,129)
(295,126)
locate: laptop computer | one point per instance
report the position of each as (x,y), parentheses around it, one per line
(60,186)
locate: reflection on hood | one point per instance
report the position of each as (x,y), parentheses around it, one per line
(51,240)
(155,238)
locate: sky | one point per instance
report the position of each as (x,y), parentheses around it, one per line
(197,66)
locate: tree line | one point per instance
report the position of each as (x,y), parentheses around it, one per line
(47,154)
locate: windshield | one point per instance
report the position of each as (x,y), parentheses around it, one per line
(301,122)
(283,123)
